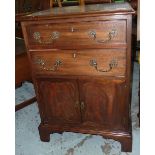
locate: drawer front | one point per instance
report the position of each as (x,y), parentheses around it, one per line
(108,62)
(97,34)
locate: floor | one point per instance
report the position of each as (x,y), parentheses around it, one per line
(28,141)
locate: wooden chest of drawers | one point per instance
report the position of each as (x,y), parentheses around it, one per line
(81,66)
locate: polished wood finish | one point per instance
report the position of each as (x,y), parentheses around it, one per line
(23,7)
(22,66)
(77,34)
(96,10)
(57,94)
(73,93)
(134,4)
(101,98)
(25,103)
(79,60)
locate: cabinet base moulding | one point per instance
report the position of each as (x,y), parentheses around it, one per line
(125,138)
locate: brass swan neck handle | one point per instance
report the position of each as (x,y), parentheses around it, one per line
(112,64)
(42,63)
(111,35)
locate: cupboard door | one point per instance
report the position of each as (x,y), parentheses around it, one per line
(103,103)
(59,100)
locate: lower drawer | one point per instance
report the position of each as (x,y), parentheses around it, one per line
(108,62)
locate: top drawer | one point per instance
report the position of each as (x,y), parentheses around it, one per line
(96,34)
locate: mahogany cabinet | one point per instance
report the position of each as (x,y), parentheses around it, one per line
(81,66)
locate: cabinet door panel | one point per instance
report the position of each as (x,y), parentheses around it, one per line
(104,102)
(60,100)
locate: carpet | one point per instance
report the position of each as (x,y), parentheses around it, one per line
(68,143)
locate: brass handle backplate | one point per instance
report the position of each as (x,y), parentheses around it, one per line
(92,34)
(113,63)
(53,36)
(43,65)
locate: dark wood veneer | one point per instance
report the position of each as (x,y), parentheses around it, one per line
(76,96)
(80,37)
(79,61)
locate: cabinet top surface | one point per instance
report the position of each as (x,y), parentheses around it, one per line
(116,8)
